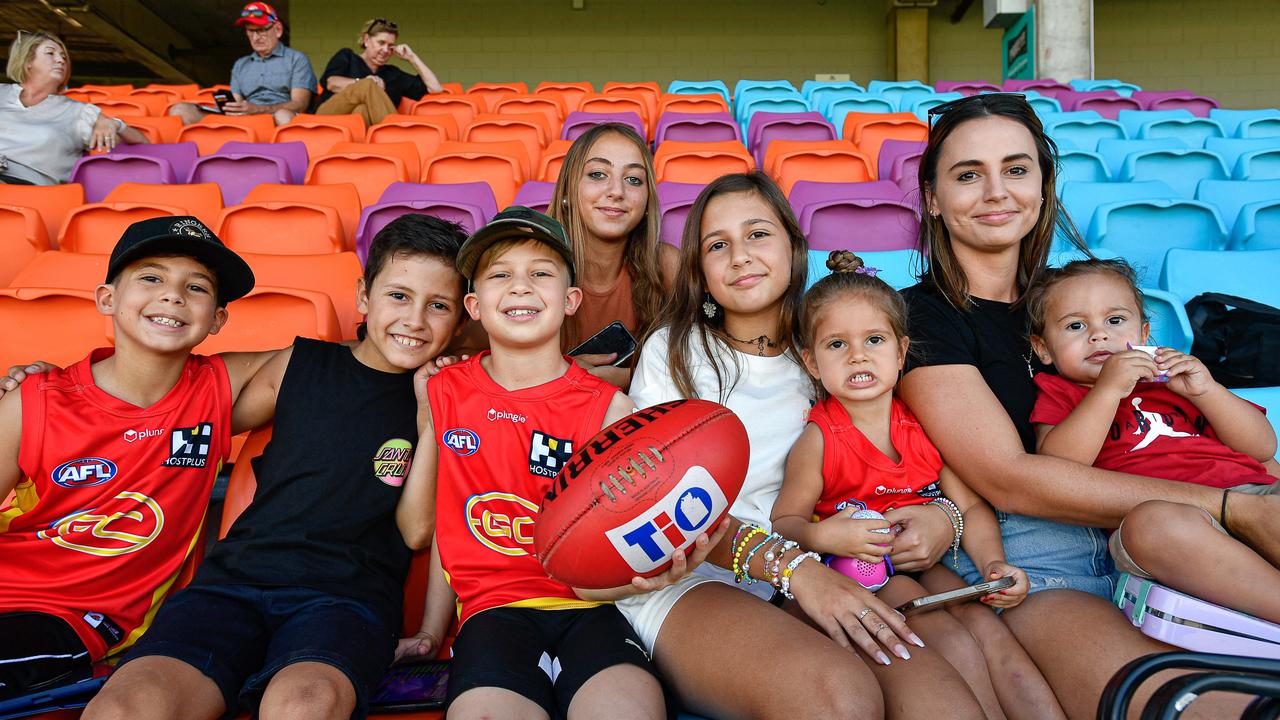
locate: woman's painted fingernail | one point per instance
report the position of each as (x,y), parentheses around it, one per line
(901,651)
(884,659)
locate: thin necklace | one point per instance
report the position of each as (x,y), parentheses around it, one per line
(760,342)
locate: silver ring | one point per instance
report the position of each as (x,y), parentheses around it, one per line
(881,626)
(863,613)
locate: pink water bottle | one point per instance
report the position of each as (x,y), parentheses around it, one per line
(872,576)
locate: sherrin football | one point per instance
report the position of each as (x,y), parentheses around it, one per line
(641,489)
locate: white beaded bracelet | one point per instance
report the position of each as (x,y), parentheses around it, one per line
(791,568)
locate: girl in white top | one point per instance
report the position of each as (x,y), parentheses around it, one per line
(44,133)
(726,335)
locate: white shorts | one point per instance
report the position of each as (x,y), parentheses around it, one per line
(647,612)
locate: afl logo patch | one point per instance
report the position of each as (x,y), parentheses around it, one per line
(462,441)
(84,472)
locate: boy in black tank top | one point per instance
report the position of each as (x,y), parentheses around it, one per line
(298,608)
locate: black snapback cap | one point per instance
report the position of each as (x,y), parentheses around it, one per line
(183,235)
(516,221)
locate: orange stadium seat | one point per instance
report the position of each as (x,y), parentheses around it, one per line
(869,130)
(208,137)
(95,227)
(109,89)
(320,132)
(22,237)
(56,325)
(53,202)
(334,274)
(528,129)
(57,269)
(700,162)
(162,129)
(156,102)
(426,132)
(283,228)
(675,102)
(343,197)
(271,317)
(183,89)
(87,96)
(492,92)
(370,166)
(648,90)
(620,101)
(204,200)
(123,107)
(454,88)
(553,159)
(570,93)
(500,164)
(463,108)
(548,105)
(789,161)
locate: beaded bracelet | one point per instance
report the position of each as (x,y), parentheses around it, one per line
(739,568)
(956,519)
(773,559)
(746,565)
(791,569)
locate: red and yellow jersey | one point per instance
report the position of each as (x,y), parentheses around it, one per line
(112,500)
(498,453)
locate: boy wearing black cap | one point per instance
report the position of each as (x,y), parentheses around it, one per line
(112,459)
(495,431)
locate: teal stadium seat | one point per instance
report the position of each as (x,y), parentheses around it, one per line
(699,87)
(813,88)
(1133,120)
(921,106)
(1143,231)
(1257,227)
(1193,131)
(1084,128)
(1232,195)
(1122,88)
(1232,119)
(1081,166)
(902,93)
(1080,198)
(1232,148)
(1168,316)
(1262,127)
(839,108)
(1258,165)
(1114,151)
(1187,273)
(1267,397)
(1181,169)
(897,267)
(1042,104)
(822,98)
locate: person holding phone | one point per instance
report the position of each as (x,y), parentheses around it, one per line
(366,84)
(272,80)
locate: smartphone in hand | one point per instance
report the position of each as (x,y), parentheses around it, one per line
(954,597)
(614,338)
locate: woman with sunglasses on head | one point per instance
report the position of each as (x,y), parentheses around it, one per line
(366,84)
(988,180)
(45,133)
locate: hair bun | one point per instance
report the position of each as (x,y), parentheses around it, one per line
(843,261)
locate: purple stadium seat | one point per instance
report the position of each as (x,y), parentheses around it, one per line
(696,127)
(579,122)
(1107,103)
(535,194)
(294,155)
(99,174)
(890,151)
(236,174)
(478,194)
(375,217)
(180,156)
(766,127)
(1047,87)
(1197,105)
(675,199)
(855,216)
(965,87)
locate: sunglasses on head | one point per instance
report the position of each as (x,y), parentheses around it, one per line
(980,99)
(384,23)
(257,12)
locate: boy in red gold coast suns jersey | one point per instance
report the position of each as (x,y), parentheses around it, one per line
(111,460)
(496,430)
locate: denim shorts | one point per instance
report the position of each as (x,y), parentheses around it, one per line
(1054,555)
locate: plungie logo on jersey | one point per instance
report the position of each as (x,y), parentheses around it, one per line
(83,472)
(502,522)
(123,524)
(391,462)
(672,524)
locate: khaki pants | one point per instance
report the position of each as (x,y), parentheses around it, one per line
(362,97)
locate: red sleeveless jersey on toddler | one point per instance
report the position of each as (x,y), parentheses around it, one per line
(112,500)
(498,451)
(856,474)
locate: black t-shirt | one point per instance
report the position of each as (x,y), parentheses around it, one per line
(323,515)
(348,63)
(991,336)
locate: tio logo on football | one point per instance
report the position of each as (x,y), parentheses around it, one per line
(672,524)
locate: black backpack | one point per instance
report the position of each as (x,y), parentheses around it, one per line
(1237,339)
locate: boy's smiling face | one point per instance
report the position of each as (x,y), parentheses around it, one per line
(167,304)
(412,310)
(522,294)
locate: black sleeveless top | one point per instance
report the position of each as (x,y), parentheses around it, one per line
(323,515)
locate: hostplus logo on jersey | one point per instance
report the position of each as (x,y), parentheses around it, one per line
(461,440)
(83,472)
(132,435)
(672,524)
(547,454)
(189,447)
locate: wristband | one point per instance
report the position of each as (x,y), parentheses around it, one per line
(120,125)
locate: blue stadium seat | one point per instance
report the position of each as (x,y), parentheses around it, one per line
(1257,227)
(1232,148)
(1081,198)
(1182,170)
(1258,165)
(1193,131)
(1267,397)
(1114,151)
(1231,195)
(921,105)
(810,88)
(1133,120)
(794,104)
(1168,316)
(1082,166)
(1231,119)
(1143,231)
(1042,104)
(1058,258)
(897,267)
(823,97)
(1084,128)
(1187,273)
(699,87)
(840,108)
(1122,88)
(1260,127)
(902,93)
(750,85)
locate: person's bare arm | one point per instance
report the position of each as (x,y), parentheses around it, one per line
(428,77)
(256,404)
(980,443)
(1235,421)
(416,511)
(1079,436)
(242,366)
(10,442)
(337,83)
(437,613)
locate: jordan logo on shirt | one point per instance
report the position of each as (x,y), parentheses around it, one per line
(1153,424)
(189,447)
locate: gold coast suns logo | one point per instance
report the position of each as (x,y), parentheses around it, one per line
(502,522)
(126,523)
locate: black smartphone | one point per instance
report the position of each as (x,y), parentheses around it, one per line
(222,97)
(614,338)
(412,686)
(953,597)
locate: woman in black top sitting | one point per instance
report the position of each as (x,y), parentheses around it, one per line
(365,84)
